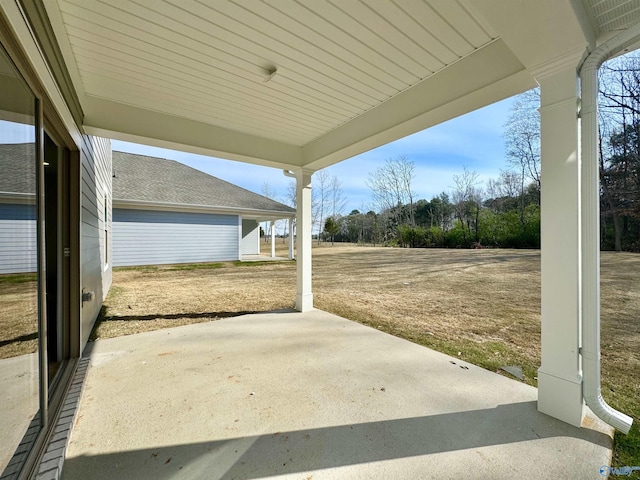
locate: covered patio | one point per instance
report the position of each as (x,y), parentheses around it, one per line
(311,395)
(300,86)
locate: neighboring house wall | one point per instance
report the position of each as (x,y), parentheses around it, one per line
(152,237)
(18,249)
(250,237)
(95,228)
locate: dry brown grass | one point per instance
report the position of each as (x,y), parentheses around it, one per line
(18,316)
(149,299)
(467,299)
(483,305)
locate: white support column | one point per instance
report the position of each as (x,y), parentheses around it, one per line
(291,237)
(560,375)
(239,237)
(304,296)
(273,239)
(259,238)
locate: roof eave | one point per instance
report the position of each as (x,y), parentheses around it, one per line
(211,209)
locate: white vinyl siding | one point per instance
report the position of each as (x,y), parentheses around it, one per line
(150,237)
(250,237)
(18,249)
(96,187)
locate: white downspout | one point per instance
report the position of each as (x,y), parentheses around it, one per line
(590,229)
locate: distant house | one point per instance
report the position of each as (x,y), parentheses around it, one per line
(166,212)
(162,212)
(18,249)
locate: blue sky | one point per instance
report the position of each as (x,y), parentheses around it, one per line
(474,140)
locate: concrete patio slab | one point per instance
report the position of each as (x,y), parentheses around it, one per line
(19,377)
(311,396)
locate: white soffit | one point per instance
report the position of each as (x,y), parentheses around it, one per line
(207,60)
(350,74)
(613,15)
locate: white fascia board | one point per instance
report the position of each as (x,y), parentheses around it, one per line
(490,74)
(248,213)
(23,33)
(115,120)
(60,31)
(537,31)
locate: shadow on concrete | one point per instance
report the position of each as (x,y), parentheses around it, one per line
(291,452)
(173,316)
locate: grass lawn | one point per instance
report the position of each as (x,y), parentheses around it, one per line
(480,305)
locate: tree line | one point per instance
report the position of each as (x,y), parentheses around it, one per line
(504,212)
(467,216)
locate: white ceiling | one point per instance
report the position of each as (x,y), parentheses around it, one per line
(208,62)
(351,74)
(612,15)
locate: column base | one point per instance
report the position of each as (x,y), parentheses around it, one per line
(304,302)
(560,398)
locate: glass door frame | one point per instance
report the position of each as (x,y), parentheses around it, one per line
(51,396)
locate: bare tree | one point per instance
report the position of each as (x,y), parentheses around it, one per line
(507,185)
(391,188)
(467,200)
(321,197)
(337,199)
(522,137)
(619,125)
(268,191)
(507,192)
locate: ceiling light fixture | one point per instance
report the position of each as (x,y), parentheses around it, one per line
(271,72)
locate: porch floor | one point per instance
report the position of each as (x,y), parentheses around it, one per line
(311,396)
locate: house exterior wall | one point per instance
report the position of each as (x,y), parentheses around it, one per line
(95,230)
(18,245)
(250,237)
(153,237)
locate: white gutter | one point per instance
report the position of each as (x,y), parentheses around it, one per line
(187,207)
(590,228)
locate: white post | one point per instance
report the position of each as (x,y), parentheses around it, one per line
(560,375)
(273,239)
(259,239)
(304,295)
(239,237)
(291,237)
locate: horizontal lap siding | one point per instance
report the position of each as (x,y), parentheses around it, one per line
(250,237)
(95,186)
(18,246)
(148,237)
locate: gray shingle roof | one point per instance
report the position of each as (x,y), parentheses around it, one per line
(156,180)
(139,178)
(17,168)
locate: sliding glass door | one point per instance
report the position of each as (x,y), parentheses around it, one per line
(35,271)
(19,300)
